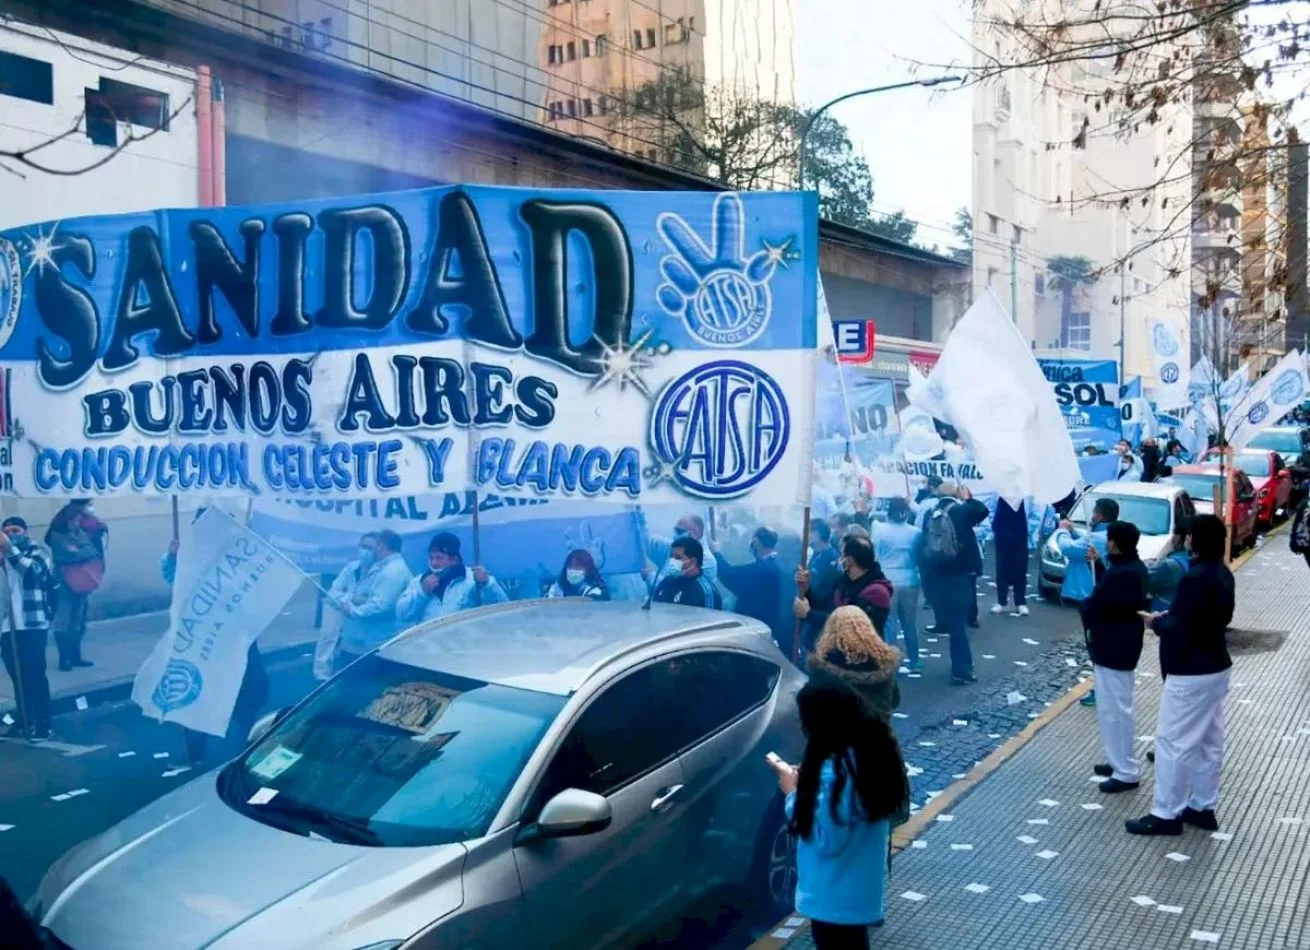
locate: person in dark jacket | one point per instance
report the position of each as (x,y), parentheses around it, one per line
(758,585)
(824,570)
(1189,740)
(1010,531)
(76,539)
(950,582)
(862,584)
(851,650)
(1113,618)
(1152,461)
(686,582)
(24,623)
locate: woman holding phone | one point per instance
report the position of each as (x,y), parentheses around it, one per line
(840,802)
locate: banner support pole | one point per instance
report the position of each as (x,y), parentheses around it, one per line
(796,648)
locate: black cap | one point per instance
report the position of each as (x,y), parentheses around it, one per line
(13,521)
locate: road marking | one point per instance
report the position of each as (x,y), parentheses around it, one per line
(68,749)
(126,755)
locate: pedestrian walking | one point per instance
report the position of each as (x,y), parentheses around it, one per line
(25,609)
(1010,536)
(77,540)
(1189,740)
(851,650)
(369,614)
(758,586)
(684,577)
(447,586)
(1113,615)
(950,566)
(1081,550)
(579,578)
(840,803)
(897,544)
(862,584)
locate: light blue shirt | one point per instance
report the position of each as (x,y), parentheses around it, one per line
(1079,578)
(416,605)
(370,616)
(841,868)
(896,546)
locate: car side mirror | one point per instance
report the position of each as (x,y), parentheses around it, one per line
(264,723)
(572,813)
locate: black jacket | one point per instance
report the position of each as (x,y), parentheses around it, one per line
(1009,525)
(965,515)
(758,586)
(1111,612)
(1192,633)
(689,591)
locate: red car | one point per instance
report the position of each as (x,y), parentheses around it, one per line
(1200,481)
(1269,476)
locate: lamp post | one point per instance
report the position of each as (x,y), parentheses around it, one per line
(809,123)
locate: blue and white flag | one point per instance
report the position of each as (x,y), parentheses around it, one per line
(230,585)
(1087,392)
(1275,394)
(1170,358)
(607,346)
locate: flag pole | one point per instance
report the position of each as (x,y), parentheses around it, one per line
(177,530)
(805,563)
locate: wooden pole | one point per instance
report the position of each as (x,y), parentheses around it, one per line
(796,648)
(177,530)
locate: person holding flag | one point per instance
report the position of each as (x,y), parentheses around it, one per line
(447,586)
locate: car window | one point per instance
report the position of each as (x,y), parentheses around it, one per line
(1278,440)
(1279,464)
(1252,464)
(726,686)
(1151,515)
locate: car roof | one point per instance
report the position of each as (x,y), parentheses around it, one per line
(1209,468)
(1140,489)
(557,645)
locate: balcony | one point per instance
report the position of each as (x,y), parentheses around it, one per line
(1217,110)
(1220,241)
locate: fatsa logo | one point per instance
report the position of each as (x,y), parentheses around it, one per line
(722,296)
(1288,388)
(1258,413)
(1164,340)
(179,687)
(1169,373)
(720,429)
(11,289)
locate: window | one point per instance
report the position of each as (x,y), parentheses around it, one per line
(636,39)
(135,104)
(650,36)
(993,224)
(572,50)
(586,48)
(587,107)
(1076,330)
(1018,234)
(603,105)
(601,42)
(571,107)
(728,685)
(25,78)
(676,32)
(552,54)
(556,110)
(101,124)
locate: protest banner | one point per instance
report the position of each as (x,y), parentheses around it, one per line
(1271,397)
(1087,392)
(230,585)
(1170,359)
(870,431)
(606,346)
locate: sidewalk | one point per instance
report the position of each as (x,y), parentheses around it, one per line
(1036,858)
(119,646)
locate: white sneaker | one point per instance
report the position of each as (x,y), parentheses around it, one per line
(1022,611)
(998,609)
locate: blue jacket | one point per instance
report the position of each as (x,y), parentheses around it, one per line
(842,867)
(897,548)
(416,605)
(1079,578)
(370,612)
(758,587)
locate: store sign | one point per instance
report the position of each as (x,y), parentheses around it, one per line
(855,340)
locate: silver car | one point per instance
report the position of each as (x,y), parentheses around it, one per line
(545,773)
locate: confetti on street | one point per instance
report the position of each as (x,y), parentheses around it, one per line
(1026,839)
(977,888)
(1141,900)
(1177,858)
(1031,898)
(1047,855)
(914,896)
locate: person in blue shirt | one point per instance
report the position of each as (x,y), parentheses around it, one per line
(841,802)
(448,586)
(369,613)
(897,545)
(1082,550)
(758,586)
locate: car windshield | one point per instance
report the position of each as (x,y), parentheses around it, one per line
(1282,441)
(1151,515)
(1199,485)
(388,754)
(1256,466)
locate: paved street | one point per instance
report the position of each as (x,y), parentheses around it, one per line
(1036,857)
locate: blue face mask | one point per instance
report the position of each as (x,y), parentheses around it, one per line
(367,557)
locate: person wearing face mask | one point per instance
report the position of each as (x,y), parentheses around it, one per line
(447,586)
(862,584)
(343,590)
(369,612)
(579,578)
(76,539)
(758,585)
(1130,467)
(660,550)
(685,581)
(24,624)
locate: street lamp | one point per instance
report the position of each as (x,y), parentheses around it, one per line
(809,123)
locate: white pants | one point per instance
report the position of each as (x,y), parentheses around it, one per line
(1189,743)
(1114,714)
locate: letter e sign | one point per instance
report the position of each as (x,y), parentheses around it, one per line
(854,340)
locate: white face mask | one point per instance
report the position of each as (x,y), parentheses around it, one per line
(575,576)
(673,567)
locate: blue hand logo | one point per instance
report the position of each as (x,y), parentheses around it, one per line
(11,289)
(180,686)
(721,295)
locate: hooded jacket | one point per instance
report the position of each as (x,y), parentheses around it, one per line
(868,666)
(871,592)
(1111,612)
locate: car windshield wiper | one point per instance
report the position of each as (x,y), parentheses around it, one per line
(345,829)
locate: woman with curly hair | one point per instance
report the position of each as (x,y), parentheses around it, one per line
(850,649)
(840,805)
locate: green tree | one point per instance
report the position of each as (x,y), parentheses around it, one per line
(963,230)
(1067,275)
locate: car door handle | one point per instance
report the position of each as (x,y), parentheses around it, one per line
(665,797)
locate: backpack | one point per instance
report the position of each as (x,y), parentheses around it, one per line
(1300,537)
(940,544)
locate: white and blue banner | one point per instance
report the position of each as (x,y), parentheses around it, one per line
(1087,392)
(870,430)
(230,585)
(608,346)
(1169,355)
(1271,397)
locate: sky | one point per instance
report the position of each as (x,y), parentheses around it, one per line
(918,142)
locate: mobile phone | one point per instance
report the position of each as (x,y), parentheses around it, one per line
(775,760)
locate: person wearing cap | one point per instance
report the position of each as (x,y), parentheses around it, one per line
(448,585)
(369,611)
(24,627)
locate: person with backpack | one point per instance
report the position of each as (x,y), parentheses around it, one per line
(25,611)
(950,566)
(76,539)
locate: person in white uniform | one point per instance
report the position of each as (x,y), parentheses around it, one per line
(1112,615)
(1189,741)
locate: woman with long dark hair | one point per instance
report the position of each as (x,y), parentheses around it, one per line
(840,803)
(579,578)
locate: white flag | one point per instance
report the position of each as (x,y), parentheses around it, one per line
(1170,366)
(1273,395)
(230,585)
(993,392)
(919,439)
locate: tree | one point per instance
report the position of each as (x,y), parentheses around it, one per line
(1067,275)
(963,230)
(747,143)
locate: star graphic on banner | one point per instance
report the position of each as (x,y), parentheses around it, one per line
(42,251)
(662,471)
(624,364)
(779,254)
